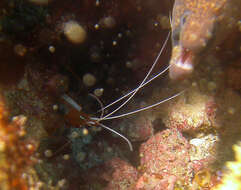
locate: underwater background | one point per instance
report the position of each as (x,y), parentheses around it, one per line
(62,61)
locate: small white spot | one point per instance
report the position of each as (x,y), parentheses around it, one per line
(119,35)
(98,92)
(55,107)
(74,32)
(186,65)
(109,149)
(89,80)
(66,157)
(85,131)
(194,84)
(129,64)
(114,43)
(62,182)
(51,49)
(197,142)
(48,153)
(108,22)
(97,26)
(97,3)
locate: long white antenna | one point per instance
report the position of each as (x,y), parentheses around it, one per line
(170,19)
(129,93)
(145,83)
(122,136)
(101,104)
(141,109)
(147,75)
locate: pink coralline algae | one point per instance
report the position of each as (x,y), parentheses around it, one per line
(165,161)
(156,182)
(195,114)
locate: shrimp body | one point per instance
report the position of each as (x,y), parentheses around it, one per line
(79,118)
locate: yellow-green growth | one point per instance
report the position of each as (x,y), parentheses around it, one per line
(232,179)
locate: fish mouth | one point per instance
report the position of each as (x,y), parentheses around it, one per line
(181,64)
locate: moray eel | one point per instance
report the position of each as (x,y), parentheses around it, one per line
(198,26)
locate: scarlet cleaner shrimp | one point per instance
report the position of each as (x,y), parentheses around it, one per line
(87,120)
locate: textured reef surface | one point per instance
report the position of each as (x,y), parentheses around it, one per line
(62,61)
(200,28)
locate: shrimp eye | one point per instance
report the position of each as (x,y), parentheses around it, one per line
(176,32)
(184,18)
(175,36)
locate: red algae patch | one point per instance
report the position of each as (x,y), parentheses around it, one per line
(156,182)
(166,154)
(194,112)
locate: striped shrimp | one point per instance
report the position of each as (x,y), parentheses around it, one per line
(88,120)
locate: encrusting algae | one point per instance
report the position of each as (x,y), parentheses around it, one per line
(15,152)
(232,178)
